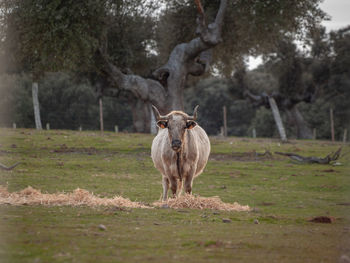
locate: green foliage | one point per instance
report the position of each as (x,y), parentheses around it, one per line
(331,74)
(264,123)
(50,35)
(130,34)
(16,104)
(212,95)
(64,104)
(41,36)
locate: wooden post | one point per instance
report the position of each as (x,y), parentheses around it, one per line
(225,121)
(116,129)
(345,135)
(35,91)
(101,114)
(221,134)
(314,134)
(278,120)
(14,125)
(47,126)
(332,123)
(80,128)
(254,133)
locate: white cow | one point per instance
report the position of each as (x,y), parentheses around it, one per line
(180,150)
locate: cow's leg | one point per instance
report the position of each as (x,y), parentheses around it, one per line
(173,185)
(165,183)
(179,187)
(188,183)
(189,172)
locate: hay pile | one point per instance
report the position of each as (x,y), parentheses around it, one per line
(79,197)
(197,202)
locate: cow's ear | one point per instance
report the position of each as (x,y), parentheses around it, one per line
(162,124)
(190,124)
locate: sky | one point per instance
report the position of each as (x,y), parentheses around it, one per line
(338,10)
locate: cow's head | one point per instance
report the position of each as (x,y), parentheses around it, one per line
(177,123)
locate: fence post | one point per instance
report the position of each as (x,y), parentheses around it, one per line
(345,135)
(116,129)
(47,126)
(254,133)
(314,134)
(101,113)
(332,123)
(221,134)
(225,121)
(14,125)
(80,128)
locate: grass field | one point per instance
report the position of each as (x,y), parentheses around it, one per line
(284,197)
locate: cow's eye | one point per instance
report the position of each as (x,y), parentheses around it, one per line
(162,124)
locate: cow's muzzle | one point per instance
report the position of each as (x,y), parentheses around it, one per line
(176,145)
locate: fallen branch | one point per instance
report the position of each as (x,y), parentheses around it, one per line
(8,168)
(266,153)
(326,160)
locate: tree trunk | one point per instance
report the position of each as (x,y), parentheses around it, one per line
(303,131)
(153,128)
(278,120)
(141,115)
(36,107)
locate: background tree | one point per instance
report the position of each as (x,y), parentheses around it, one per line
(330,71)
(288,65)
(67,34)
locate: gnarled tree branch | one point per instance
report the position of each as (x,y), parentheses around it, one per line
(142,88)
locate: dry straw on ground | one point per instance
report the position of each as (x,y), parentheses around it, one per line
(79,197)
(197,202)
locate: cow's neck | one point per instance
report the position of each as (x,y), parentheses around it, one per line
(180,156)
(178,165)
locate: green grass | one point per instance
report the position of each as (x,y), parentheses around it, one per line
(284,196)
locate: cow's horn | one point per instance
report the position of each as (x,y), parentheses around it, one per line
(194,117)
(157,114)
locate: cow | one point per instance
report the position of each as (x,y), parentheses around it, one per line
(180,150)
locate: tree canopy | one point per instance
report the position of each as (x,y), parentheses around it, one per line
(43,35)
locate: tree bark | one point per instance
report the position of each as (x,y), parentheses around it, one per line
(278,120)
(36,107)
(153,128)
(166,90)
(141,115)
(303,130)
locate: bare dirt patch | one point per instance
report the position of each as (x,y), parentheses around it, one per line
(83,150)
(243,156)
